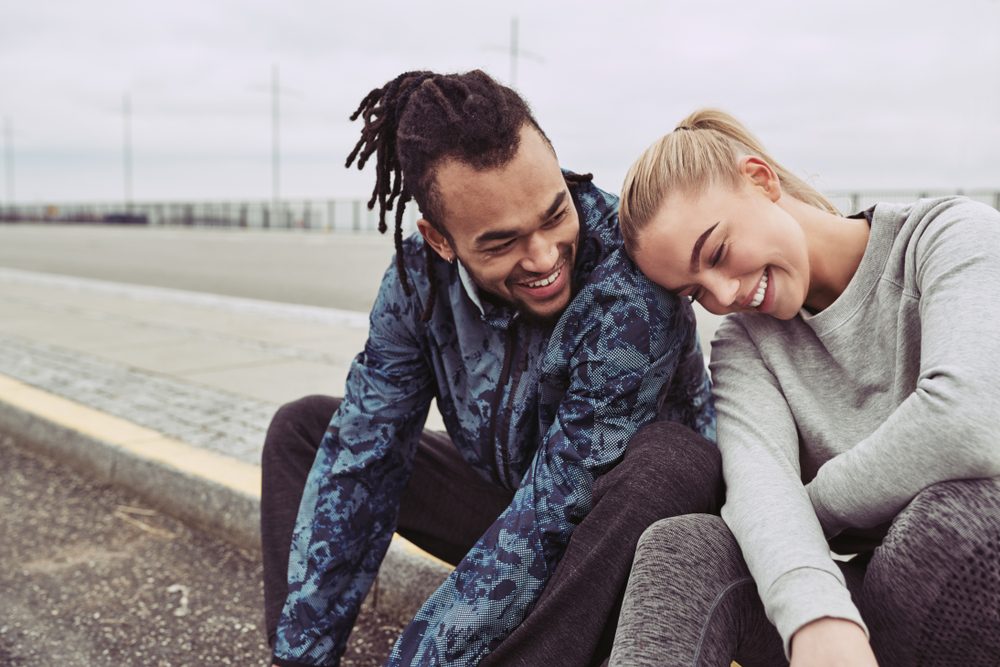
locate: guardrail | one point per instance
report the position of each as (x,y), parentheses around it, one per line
(335,214)
(326,215)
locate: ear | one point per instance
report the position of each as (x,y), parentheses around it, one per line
(759,174)
(436,240)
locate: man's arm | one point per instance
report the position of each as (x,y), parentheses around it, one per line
(350,502)
(625,350)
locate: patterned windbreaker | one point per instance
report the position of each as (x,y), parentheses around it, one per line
(540,409)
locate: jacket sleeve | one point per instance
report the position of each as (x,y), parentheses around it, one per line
(618,362)
(767,507)
(350,503)
(945,429)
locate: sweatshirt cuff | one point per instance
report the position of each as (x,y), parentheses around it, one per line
(806,595)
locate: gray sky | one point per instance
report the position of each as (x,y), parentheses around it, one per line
(849,94)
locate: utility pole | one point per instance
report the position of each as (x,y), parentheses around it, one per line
(8,140)
(275,143)
(513,52)
(127,149)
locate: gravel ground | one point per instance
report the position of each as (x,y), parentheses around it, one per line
(89,575)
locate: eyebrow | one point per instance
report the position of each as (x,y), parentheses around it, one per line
(696,251)
(503,234)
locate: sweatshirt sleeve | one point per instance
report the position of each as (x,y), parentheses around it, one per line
(945,429)
(620,357)
(349,506)
(767,507)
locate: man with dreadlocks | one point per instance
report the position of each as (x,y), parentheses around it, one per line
(573,390)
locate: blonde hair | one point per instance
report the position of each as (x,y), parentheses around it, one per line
(703,150)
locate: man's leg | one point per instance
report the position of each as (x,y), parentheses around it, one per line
(931,595)
(691,601)
(445,507)
(667,470)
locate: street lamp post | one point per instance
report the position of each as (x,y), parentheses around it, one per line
(275,142)
(127,149)
(8,140)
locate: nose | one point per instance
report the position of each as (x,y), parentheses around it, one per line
(542,254)
(723,289)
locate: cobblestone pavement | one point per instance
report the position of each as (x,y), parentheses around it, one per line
(220,421)
(206,369)
(92,577)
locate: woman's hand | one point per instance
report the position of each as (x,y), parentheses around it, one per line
(831,642)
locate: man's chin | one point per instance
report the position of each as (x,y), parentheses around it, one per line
(543,314)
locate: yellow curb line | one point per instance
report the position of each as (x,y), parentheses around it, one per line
(139,441)
(147,444)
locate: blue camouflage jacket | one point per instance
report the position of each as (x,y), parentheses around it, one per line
(540,409)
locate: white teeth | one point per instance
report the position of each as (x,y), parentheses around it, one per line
(545,281)
(758,298)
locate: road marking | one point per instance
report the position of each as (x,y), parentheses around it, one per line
(149,445)
(139,441)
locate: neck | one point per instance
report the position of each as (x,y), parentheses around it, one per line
(835,245)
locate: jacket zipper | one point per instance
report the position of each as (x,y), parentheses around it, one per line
(504,378)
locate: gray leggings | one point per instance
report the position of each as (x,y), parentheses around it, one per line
(930,593)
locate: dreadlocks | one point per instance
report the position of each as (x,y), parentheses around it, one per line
(419,119)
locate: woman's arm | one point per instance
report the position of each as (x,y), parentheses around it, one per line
(767,506)
(945,429)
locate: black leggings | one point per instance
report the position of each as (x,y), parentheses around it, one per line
(930,593)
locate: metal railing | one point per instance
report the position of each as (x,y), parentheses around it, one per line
(325,215)
(336,214)
(852,201)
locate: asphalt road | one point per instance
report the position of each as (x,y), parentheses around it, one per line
(90,576)
(335,270)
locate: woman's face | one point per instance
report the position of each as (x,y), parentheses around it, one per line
(732,250)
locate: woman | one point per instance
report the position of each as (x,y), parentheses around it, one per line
(856,388)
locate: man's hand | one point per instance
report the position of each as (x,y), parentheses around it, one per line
(831,642)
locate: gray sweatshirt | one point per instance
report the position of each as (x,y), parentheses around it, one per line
(829,424)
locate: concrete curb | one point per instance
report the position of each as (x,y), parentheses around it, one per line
(214,492)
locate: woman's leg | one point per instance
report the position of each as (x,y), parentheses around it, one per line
(691,601)
(931,595)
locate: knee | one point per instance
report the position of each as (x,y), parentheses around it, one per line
(670,467)
(701,541)
(946,520)
(937,574)
(297,427)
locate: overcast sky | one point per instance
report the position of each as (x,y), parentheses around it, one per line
(850,94)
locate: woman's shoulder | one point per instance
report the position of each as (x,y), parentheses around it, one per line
(755,333)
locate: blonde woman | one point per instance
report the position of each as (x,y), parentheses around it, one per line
(856,383)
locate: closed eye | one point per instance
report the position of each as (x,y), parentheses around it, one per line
(717,255)
(556,219)
(499,248)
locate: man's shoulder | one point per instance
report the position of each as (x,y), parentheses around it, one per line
(616,283)
(620,305)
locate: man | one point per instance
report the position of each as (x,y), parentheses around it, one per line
(547,351)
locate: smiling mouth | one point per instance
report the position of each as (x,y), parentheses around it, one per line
(758,297)
(547,280)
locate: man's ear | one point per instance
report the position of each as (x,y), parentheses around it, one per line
(436,240)
(760,175)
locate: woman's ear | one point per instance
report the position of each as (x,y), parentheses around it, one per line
(436,240)
(760,175)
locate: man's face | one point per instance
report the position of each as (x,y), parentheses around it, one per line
(514,228)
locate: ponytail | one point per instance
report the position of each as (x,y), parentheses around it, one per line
(703,150)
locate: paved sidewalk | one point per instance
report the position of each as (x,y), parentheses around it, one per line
(169,393)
